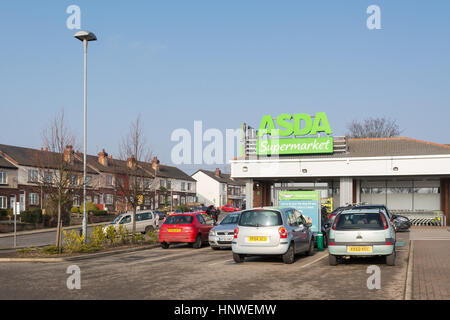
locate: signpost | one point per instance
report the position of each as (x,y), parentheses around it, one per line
(308,202)
(16,211)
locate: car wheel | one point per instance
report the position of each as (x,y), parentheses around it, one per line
(332,260)
(238,258)
(289,256)
(164,245)
(325,241)
(149,229)
(390,259)
(198,242)
(310,251)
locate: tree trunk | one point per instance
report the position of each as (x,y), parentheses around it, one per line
(134,220)
(58,228)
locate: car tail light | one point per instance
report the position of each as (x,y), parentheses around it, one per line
(389,243)
(331,244)
(385,225)
(335,222)
(283,232)
(236,231)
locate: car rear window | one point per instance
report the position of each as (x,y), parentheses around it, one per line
(358,221)
(179,219)
(260,218)
(230,219)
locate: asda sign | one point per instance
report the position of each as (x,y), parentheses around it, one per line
(273,139)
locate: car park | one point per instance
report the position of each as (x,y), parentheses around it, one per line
(362,232)
(190,228)
(145,221)
(272,231)
(221,235)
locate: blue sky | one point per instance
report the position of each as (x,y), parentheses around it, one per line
(222,62)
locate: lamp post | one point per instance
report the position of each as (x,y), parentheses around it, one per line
(85,37)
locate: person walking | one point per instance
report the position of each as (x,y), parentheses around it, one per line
(156,220)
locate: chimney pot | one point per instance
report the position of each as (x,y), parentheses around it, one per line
(217,173)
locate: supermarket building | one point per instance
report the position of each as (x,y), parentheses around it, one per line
(406,175)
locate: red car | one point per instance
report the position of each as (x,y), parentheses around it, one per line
(185,228)
(228,208)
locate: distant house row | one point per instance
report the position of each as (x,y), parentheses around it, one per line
(21,168)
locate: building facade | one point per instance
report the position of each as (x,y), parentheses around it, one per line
(218,189)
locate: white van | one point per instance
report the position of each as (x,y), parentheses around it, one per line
(145,221)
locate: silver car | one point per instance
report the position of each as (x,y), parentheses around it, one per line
(272,231)
(221,235)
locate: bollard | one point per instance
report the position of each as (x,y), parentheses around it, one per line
(319,241)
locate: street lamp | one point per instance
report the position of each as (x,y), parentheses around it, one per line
(85,36)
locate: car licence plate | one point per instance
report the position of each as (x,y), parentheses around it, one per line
(174,230)
(359,249)
(257,238)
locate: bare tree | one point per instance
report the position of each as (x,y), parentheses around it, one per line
(57,175)
(132,179)
(374,128)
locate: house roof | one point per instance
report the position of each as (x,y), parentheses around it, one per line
(380,147)
(223,178)
(38,158)
(6,164)
(168,172)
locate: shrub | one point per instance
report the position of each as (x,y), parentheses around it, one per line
(52,249)
(31,216)
(100,212)
(153,236)
(90,207)
(182,208)
(98,237)
(75,210)
(124,235)
(111,234)
(138,237)
(73,241)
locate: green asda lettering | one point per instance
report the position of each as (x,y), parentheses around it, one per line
(299,124)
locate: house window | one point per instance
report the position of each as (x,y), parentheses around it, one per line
(189,187)
(73,180)
(3,202)
(169,184)
(109,180)
(101,198)
(183,186)
(109,199)
(76,201)
(2,177)
(48,177)
(32,175)
(88,180)
(161,183)
(33,199)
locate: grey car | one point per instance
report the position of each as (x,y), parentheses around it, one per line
(272,231)
(221,235)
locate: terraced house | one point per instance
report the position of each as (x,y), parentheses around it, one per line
(23,171)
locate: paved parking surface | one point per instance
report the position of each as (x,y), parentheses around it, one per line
(431,268)
(185,273)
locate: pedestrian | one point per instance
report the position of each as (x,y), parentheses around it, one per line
(157,220)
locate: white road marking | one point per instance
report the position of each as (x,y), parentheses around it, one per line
(310,263)
(211,264)
(409,273)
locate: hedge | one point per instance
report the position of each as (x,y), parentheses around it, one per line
(31,216)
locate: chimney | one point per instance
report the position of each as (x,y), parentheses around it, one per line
(103,158)
(68,154)
(217,173)
(131,162)
(155,163)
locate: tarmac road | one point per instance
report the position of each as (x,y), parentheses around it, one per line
(182,272)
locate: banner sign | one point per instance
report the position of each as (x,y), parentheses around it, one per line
(294,146)
(308,202)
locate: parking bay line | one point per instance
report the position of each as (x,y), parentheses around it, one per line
(186,253)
